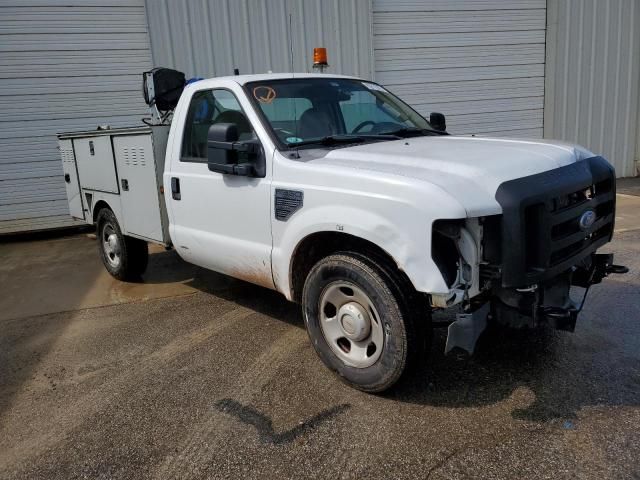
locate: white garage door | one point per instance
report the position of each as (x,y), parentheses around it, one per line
(480,62)
(64,65)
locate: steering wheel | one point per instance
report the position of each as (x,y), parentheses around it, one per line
(361,125)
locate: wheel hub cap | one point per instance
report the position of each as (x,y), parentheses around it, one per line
(350,324)
(354,321)
(112,242)
(111,245)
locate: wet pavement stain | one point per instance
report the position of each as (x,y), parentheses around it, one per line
(264,424)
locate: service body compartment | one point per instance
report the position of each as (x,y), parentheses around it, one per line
(94,157)
(71,182)
(138,187)
(122,167)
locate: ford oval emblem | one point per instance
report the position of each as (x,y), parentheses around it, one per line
(587,219)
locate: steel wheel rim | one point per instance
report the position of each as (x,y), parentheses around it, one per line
(111,245)
(350,324)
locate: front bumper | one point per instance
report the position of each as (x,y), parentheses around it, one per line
(550,303)
(541,305)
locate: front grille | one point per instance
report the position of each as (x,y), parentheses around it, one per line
(562,214)
(567,238)
(542,215)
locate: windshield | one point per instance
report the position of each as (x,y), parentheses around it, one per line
(303,111)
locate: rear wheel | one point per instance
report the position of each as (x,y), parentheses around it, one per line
(359,321)
(124,257)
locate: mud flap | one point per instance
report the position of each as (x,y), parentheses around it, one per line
(465,331)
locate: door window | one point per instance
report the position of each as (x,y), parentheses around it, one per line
(207,108)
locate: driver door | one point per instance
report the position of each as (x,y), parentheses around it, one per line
(218,221)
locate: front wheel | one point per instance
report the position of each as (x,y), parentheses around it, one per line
(357,320)
(125,258)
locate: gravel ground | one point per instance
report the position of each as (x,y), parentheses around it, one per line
(216,378)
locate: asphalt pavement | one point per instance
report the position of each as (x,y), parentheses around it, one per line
(195,375)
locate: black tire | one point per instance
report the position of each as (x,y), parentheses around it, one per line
(404,338)
(132,256)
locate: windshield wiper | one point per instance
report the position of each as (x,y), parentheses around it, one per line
(409,131)
(330,140)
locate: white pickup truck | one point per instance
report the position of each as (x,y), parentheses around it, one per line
(337,194)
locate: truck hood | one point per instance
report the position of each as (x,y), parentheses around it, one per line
(468,168)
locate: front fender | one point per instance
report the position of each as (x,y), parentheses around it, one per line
(407,241)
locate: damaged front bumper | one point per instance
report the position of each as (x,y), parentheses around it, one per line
(550,303)
(547,304)
(565,318)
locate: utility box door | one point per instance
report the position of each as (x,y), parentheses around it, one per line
(139,190)
(71,179)
(94,156)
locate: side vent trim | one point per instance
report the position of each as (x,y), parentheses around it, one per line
(287,202)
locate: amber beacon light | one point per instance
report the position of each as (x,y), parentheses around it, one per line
(320,58)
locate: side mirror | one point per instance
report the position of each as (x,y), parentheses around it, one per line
(225,154)
(220,140)
(438,121)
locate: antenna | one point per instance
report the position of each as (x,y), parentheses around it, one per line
(295,112)
(236,71)
(291,42)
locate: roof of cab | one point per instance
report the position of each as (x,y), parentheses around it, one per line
(213,82)
(242,79)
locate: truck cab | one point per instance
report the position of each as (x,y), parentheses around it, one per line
(336,193)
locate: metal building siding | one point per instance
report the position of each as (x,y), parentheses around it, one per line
(480,62)
(211,38)
(593,77)
(64,65)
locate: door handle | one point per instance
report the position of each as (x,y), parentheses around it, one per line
(175,188)
(125,184)
(67,178)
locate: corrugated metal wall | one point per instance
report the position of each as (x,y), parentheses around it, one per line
(211,38)
(480,62)
(64,65)
(593,76)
